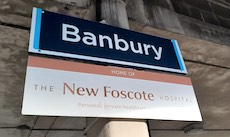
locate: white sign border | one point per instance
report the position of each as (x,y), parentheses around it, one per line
(34,48)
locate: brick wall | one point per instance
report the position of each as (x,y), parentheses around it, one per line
(215,12)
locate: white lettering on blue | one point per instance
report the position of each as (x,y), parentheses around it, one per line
(71,33)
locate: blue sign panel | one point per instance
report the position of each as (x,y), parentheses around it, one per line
(60,35)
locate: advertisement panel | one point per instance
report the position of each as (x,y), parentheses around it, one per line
(60,35)
(63,88)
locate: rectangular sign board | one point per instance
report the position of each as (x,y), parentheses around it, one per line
(60,35)
(63,88)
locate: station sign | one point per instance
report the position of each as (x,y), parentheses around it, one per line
(60,35)
(63,88)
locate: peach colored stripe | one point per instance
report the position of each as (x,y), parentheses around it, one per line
(104,70)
